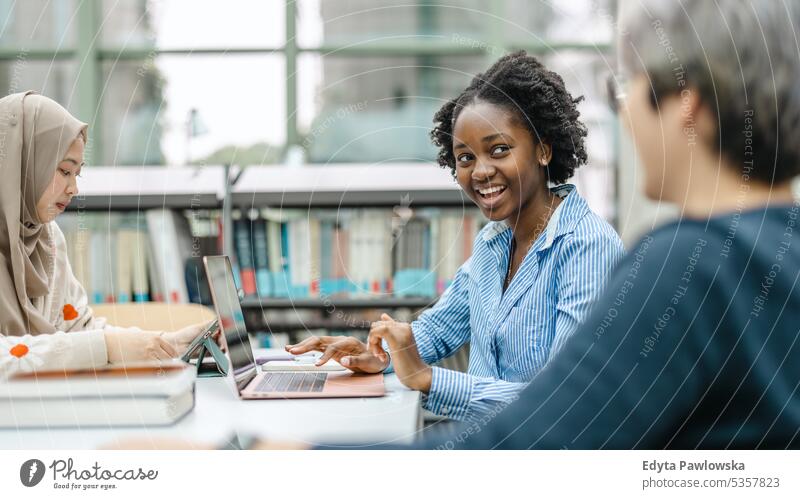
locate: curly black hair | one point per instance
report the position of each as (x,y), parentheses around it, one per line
(539,100)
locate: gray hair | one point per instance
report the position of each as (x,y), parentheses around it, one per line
(743,59)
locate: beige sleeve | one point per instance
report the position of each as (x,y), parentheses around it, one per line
(60,350)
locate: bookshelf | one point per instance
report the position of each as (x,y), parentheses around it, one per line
(108,223)
(336,189)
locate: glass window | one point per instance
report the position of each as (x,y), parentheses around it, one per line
(37,24)
(547,22)
(584,73)
(355,109)
(186,24)
(486,25)
(55,79)
(172,109)
(353,21)
(374,105)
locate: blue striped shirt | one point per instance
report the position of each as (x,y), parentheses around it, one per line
(513,334)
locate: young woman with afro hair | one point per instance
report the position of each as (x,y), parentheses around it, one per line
(512,139)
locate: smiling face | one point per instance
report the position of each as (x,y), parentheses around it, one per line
(64,185)
(498,163)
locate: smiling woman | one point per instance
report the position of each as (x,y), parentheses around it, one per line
(535,268)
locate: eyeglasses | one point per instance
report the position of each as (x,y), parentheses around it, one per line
(615,88)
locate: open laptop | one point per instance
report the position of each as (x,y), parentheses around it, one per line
(273,384)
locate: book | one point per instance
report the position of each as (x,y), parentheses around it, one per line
(314,256)
(243,244)
(155,282)
(101,289)
(141,292)
(78,238)
(413,275)
(126,245)
(261,257)
(170,239)
(131,395)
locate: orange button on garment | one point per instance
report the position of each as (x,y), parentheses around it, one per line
(19,350)
(70,312)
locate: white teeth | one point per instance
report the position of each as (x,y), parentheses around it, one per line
(491,190)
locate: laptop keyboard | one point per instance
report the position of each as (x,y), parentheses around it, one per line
(292,382)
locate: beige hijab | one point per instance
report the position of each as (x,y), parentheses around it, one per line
(35,134)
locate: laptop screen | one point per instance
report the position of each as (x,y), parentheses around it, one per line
(231,319)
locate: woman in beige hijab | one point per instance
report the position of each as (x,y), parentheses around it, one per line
(45,319)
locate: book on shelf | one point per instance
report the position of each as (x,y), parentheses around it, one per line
(130,395)
(171,240)
(136,257)
(102,247)
(278,253)
(245,264)
(351,253)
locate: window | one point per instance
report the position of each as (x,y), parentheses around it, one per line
(177,81)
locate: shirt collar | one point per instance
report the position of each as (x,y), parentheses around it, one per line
(563,220)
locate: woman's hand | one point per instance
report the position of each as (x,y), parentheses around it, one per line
(409,366)
(125,346)
(181,338)
(345,350)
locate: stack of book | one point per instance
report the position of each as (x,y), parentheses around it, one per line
(131,395)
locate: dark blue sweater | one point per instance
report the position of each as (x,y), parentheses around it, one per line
(694,344)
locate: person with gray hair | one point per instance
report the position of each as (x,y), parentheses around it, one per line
(733,67)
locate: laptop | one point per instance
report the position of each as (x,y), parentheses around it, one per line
(252,384)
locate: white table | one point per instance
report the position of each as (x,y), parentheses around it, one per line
(218,413)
